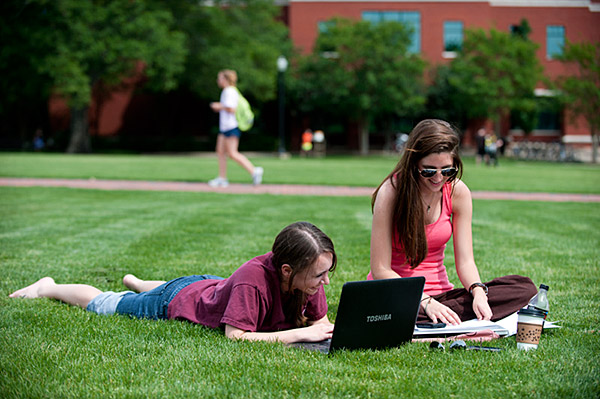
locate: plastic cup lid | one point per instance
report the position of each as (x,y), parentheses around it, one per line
(531,312)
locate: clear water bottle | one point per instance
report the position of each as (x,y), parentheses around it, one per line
(540,300)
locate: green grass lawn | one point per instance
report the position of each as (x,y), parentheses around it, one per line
(337,170)
(49,349)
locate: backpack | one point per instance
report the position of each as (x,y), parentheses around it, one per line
(243,113)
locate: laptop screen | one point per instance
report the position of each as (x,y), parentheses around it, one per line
(377,314)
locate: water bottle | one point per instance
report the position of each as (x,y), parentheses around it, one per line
(540,300)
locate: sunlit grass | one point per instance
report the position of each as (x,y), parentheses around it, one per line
(49,349)
(333,170)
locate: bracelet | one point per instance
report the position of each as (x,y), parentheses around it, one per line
(428,302)
(485,288)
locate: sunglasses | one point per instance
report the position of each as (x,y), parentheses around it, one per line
(460,344)
(447,172)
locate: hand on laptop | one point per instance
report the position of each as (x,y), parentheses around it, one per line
(442,313)
(317,332)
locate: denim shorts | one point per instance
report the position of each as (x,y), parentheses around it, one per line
(151,304)
(235,132)
(106,303)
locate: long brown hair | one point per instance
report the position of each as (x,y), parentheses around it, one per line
(299,245)
(430,136)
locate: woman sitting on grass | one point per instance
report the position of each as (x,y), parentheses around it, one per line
(416,209)
(278,296)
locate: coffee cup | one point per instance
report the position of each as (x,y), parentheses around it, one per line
(529,328)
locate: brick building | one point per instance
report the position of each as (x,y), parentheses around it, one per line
(438,27)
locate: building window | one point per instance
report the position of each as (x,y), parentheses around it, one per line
(453,35)
(547,115)
(555,40)
(411,19)
(324,26)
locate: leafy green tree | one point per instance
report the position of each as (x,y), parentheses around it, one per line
(246,36)
(361,71)
(100,42)
(442,99)
(494,73)
(523,29)
(24,43)
(581,91)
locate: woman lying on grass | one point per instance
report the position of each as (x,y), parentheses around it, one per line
(278,296)
(416,209)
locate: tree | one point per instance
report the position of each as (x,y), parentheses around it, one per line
(101,42)
(24,44)
(361,71)
(442,99)
(581,91)
(246,36)
(494,73)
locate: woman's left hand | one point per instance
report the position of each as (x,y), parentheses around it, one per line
(481,307)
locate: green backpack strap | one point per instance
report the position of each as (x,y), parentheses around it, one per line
(243,113)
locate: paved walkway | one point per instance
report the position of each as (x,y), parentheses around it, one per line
(274,189)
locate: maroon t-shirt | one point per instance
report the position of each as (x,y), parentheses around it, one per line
(250,299)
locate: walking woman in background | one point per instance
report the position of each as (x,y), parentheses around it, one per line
(228,139)
(278,296)
(416,209)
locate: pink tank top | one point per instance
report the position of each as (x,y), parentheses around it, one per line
(432,268)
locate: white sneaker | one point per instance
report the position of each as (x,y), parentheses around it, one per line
(218,182)
(257,175)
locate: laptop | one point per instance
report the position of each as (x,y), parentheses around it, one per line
(375,314)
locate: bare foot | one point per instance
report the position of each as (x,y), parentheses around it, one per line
(32,291)
(132,282)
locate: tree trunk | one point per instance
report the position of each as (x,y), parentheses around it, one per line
(364,137)
(498,125)
(80,137)
(594,147)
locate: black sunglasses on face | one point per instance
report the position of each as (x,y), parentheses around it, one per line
(447,172)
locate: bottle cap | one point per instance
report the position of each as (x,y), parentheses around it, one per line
(544,287)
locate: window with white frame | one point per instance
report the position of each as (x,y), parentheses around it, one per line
(453,35)
(324,26)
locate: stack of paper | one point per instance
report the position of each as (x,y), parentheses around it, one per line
(504,327)
(463,328)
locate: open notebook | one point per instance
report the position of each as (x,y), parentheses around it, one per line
(503,327)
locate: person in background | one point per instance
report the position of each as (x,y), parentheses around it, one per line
(277,296)
(416,209)
(480,157)
(307,143)
(228,139)
(491,148)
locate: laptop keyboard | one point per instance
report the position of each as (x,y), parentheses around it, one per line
(321,346)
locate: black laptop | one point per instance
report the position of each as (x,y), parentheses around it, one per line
(375,314)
